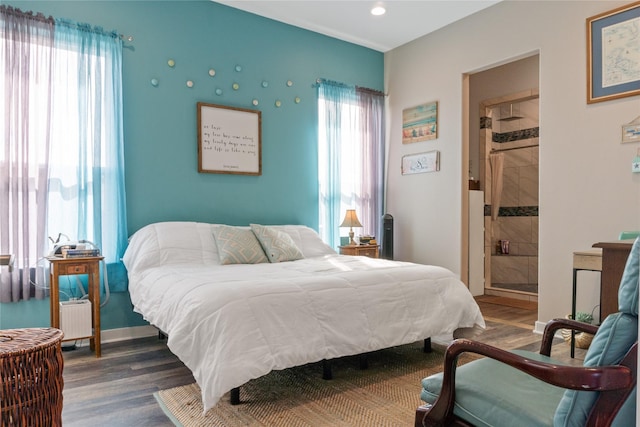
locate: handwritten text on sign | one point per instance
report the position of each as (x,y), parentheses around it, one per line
(229,140)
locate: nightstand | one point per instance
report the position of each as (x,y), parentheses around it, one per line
(372,251)
(72,266)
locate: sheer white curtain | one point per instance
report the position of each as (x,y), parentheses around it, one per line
(87,192)
(371,132)
(62,162)
(26,53)
(350,158)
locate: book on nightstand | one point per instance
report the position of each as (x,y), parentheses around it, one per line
(80,253)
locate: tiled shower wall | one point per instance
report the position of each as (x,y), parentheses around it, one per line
(518,215)
(517,221)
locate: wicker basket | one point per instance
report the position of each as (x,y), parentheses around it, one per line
(31,377)
(582,339)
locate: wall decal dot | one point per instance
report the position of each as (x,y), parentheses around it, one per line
(235,86)
(278,103)
(171,63)
(154,82)
(254,102)
(265,83)
(218,91)
(289,83)
(189,83)
(238,68)
(297,100)
(212,72)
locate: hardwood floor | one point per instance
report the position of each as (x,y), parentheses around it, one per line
(117,389)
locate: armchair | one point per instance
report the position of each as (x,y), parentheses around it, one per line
(509,388)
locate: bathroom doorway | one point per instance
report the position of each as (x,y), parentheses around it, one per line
(503,180)
(510,160)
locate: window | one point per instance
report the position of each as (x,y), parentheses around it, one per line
(350,158)
(61,164)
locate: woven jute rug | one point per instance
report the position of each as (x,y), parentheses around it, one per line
(385,394)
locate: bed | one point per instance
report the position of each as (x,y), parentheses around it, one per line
(231,320)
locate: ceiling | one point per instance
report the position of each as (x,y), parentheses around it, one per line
(352,21)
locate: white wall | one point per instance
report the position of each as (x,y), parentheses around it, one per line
(587,192)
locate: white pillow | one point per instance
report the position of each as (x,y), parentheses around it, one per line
(307,239)
(166,243)
(238,245)
(278,245)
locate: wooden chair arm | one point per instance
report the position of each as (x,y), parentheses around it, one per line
(556,324)
(573,377)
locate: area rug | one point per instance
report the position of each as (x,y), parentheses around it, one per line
(385,394)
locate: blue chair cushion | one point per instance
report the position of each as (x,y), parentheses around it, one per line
(615,336)
(628,291)
(531,403)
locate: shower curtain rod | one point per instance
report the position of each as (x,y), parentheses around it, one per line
(497,150)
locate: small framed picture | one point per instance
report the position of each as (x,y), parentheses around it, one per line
(613,57)
(420,123)
(421,163)
(631,131)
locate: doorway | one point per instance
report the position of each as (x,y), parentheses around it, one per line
(501,209)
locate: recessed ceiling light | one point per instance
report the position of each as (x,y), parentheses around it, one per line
(378,10)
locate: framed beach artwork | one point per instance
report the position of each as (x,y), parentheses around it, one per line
(420,123)
(613,54)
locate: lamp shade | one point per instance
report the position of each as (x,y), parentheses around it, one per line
(351,219)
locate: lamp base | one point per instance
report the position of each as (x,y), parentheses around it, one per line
(351,241)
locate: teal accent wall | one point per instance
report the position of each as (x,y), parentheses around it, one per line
(162,180)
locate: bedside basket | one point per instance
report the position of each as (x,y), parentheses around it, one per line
(31,377)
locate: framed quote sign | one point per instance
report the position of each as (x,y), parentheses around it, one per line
(421,163)
(229,140)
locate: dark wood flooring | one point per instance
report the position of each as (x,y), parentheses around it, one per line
(117,389)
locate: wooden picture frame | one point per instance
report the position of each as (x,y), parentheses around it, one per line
(631,131)
(229,140)
(421,162)
(613,59)
(420,123)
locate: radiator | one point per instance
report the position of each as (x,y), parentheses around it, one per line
(75,319)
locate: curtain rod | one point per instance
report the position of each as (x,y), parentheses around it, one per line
(40,17)
(367,90)
(320,80)
(497,150)
(14,11)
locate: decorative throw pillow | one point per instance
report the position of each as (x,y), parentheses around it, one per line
(278,245)
(237,245)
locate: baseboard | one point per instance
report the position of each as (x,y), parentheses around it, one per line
(539,327)
(121,334)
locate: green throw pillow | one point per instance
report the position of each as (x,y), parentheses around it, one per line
(278,246)
(237,245)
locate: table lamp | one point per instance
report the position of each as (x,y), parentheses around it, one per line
(351,220)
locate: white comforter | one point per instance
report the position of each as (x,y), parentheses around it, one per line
(230,324)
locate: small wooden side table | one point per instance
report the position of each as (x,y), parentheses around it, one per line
(7,260)
(372,251)
(589,260)
(73,266)
(614,259)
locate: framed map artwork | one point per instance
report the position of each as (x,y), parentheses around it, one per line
(613,54)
